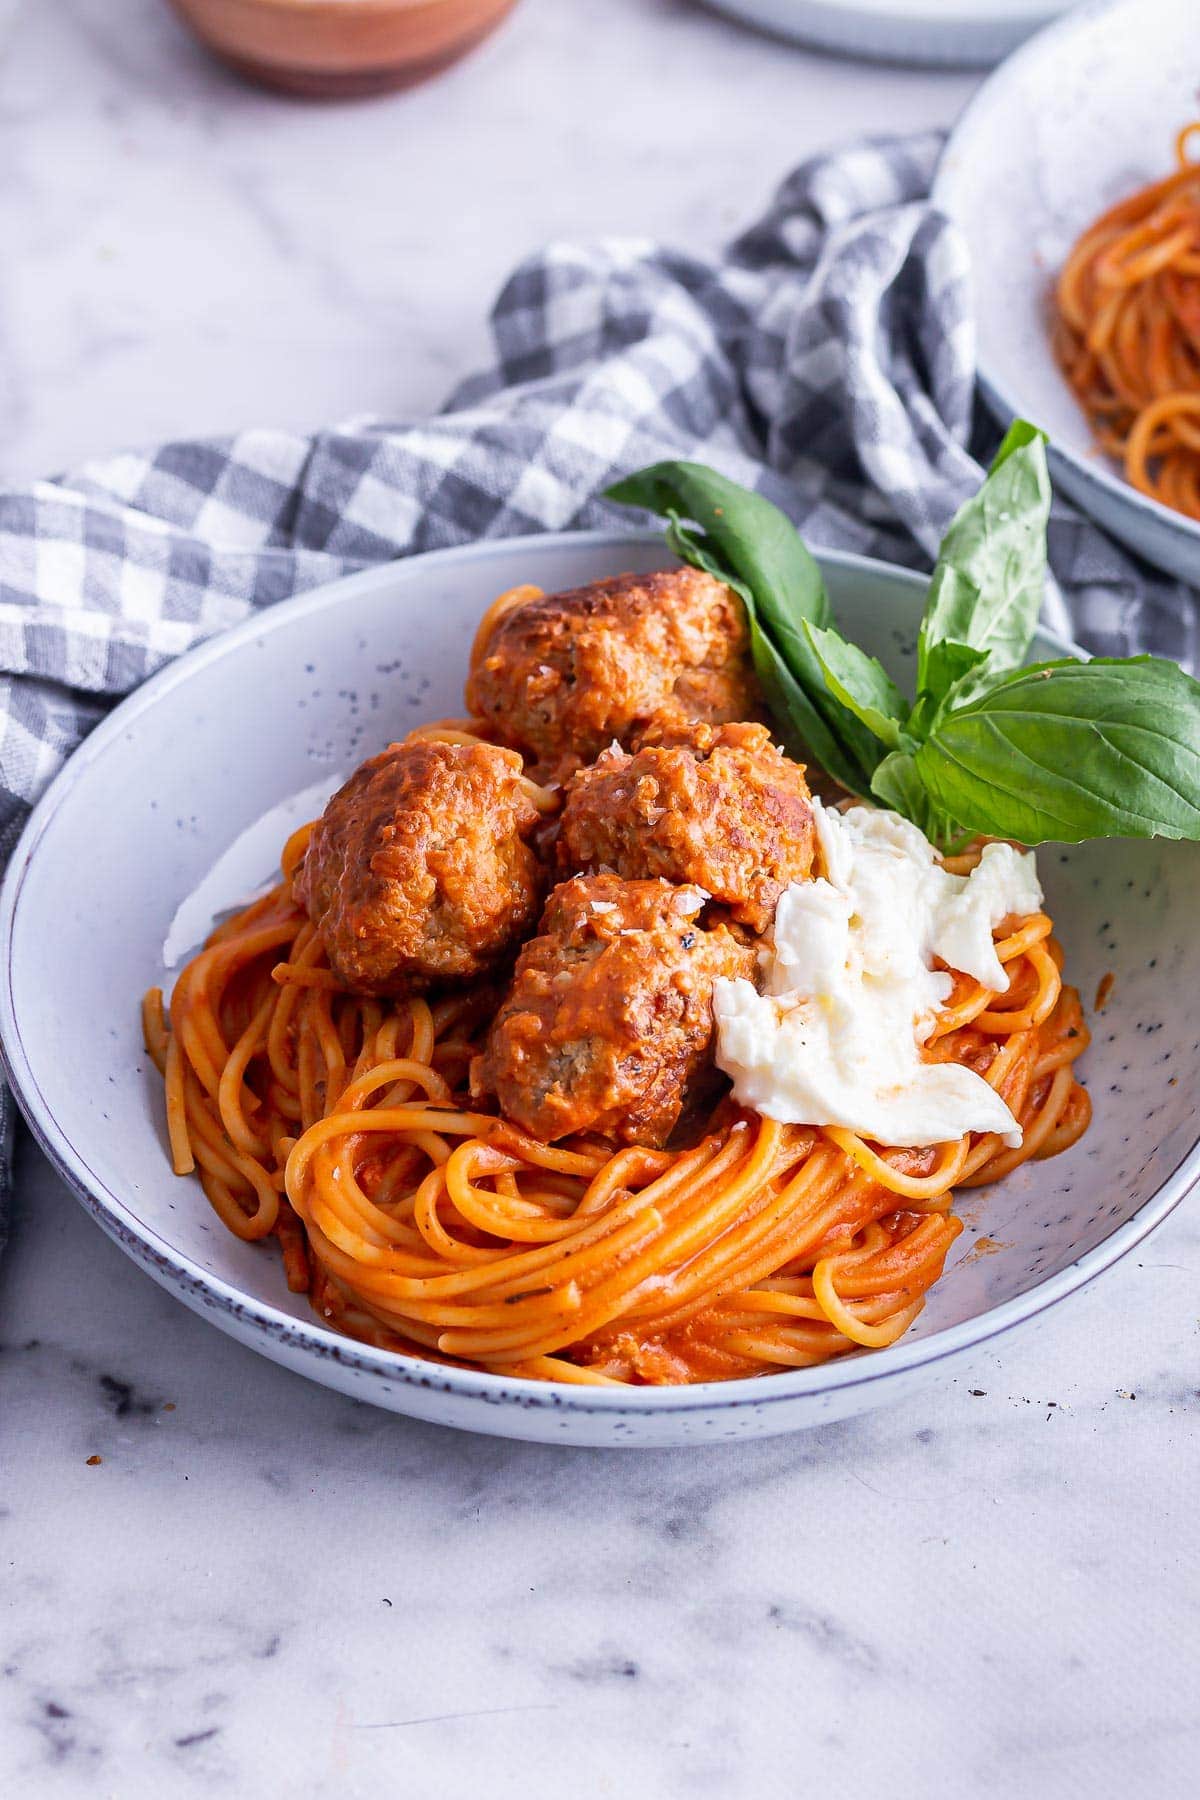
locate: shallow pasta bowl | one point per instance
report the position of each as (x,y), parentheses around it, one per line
(1080,117)
(176,808)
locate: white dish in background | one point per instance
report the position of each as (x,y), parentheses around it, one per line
(197,759)
(965,34)
(1085,114)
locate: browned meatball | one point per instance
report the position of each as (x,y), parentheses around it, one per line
(564,675)
(609,1018)
(418,872)
(717,805)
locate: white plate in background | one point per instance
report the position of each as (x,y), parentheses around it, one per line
(1086,113)
(965,34)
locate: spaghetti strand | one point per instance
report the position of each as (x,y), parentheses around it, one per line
(416,1221)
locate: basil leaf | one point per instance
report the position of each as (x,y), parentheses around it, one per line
(747,542)
(753,539)
(803,730)
(692,547)
(897,784)
(861,684)
(1069,751)
(990,575)
(948,661)
(954,672)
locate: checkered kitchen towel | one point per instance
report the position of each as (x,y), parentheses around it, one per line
(826,357)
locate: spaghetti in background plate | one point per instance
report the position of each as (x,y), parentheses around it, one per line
(1126,327)
(194,811)
(1076,122)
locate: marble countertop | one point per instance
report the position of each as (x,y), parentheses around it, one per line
(262,1588)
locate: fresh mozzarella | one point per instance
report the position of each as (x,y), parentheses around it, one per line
(851,993)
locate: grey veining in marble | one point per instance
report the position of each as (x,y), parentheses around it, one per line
(262,1588)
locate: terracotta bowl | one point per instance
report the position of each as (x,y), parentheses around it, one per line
(340,47)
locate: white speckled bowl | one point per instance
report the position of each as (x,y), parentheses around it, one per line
(189,765)
(1084,114)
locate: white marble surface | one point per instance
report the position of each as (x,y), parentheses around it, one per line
(266,1589)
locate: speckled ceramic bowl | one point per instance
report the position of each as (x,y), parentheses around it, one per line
(1084,114)
(176,807)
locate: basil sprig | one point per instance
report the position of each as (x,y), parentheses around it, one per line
(746,542)
(1063,750)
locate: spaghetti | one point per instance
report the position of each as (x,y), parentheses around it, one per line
(337,1124)
(1127,332)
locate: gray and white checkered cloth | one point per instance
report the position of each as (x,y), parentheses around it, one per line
(827,357)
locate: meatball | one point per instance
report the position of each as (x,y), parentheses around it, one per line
(717,805)
(609,1017)
(418,871)
(563,675)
